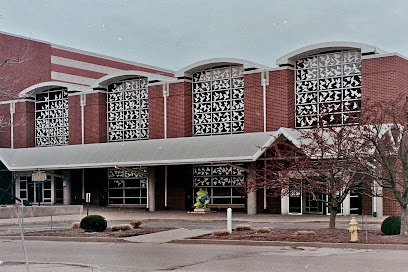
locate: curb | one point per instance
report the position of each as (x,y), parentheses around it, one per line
(291,244)
(93,267)
(67,239)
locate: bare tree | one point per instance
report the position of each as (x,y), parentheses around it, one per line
(320,163)
(8,77)
(385,160)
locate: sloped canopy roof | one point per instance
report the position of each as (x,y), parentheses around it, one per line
(190,150)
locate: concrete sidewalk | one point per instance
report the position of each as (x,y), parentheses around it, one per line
(127,214)
(46,267)
(166,236)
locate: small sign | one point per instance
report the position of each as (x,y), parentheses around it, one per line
(39,176)
(88,197)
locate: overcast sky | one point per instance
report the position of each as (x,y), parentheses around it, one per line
(175,33)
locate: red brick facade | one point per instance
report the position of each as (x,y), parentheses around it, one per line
(74,113)
(24,134)
(253,103)
(95,118)
(383,77)
(34,65)
(156,112)
(5,131)
(179,110)
(280,100)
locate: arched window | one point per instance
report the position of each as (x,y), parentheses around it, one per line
(328,88)
(218,101)
(51,117)
(128,116)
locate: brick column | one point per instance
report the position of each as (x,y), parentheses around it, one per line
(156,112)
(24,133)
(95,118)
(5,132)
(74,115)
(280,100)
(179,110)
(253,103)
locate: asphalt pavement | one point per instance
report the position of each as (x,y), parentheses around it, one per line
(186,225)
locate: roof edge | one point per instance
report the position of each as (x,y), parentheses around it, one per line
(291,57)
(207,63)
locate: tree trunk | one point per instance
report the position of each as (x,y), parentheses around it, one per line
(333,213)
(404,221)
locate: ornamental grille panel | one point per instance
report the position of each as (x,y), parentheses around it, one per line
(127,114)
(218,101)
(127,188)
(328,89)
(225,184)
(51,117)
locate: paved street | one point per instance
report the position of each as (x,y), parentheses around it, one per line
(179,257)
(147,255)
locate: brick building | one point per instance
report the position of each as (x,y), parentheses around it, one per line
(138,135)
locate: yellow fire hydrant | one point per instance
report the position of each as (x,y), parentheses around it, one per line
(353,229)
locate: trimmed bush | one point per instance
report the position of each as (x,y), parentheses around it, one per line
(221,233)
(242,227)
(391,225)
(121,227)
(135,223)
(264,230)
(93,223)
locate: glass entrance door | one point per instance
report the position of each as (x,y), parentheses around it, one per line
(355,203)
(28,190)
(314,203)
(295,201)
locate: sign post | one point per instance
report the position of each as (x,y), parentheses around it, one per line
(88,199)
(39,177)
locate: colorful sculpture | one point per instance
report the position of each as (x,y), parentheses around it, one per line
(203,199)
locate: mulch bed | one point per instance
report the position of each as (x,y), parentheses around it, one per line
(82,233)
(322,235)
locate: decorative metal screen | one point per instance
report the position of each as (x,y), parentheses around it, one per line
(126,187)
(218,101)
(128,116)
(51,117)
(328,89)
(225,184)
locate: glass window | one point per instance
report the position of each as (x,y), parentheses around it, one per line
(51,117)
(128,115)
(224,183)
(127,187)
(218,101)
(328,89)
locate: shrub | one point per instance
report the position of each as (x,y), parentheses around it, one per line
(221,233)
(121,227)
(76,225)
(391,225)
(93,223)
(135,223)
(242,227)
(264,230)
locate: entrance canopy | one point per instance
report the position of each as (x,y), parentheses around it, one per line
(244,147)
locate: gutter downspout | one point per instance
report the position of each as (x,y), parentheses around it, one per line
(12,111)
(165,95)
(83,104)
(264,82)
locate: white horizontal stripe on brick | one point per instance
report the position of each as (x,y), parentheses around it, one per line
(83,65)
(72,78)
